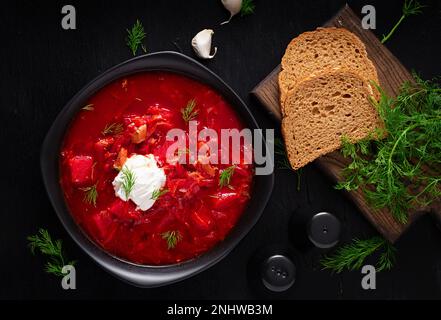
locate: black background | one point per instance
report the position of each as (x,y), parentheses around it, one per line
(43,66)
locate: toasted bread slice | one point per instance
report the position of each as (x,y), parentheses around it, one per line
(321,110)
(323,49)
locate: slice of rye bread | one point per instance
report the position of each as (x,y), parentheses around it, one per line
(316,51)
(321,110)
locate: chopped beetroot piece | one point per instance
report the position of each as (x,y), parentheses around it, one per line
(224,200)
(201,221)
(103,225)
(81,170)
(123,210)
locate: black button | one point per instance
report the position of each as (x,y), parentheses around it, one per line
(324,230)
(278,273)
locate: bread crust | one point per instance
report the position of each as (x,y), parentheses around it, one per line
(355,65)
(298,161)
(286,85)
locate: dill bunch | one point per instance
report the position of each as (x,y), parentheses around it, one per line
(113,128)
(129,180)
(189,112)
(401,171)
(90,194)
(156,194)
(225,176)
(172,238)
(247,8)
(352,256)
(53,250)
(410,8)
(135,37)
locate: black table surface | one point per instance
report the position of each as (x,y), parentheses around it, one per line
(43,66)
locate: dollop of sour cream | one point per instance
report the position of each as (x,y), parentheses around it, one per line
(148,178)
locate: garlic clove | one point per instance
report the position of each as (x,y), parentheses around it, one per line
(233,6)
(201,44)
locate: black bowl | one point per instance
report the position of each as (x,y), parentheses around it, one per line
(141,275)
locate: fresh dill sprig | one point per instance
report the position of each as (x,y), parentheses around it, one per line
(88,107)
(247,7)
(135,36)
(113,128)
(158,193)
(43,242)
(172,238)
(352,256)
(401,171)
(189,113)
(410,8)
(226,175)
(90,194)
(129,179)
(283,161)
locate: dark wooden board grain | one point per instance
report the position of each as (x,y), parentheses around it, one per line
(391,74)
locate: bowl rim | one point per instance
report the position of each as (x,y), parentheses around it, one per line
(136,274)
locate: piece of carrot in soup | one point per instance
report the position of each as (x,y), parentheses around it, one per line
(140,134)
(120,159)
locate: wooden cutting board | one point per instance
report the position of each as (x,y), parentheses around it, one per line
(391,74)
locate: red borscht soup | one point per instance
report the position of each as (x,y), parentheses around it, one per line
(121,189)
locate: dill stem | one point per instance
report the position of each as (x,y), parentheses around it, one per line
(389,161)
(421,91)
(427,187)
(385,38)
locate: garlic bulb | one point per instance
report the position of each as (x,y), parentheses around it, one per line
(233,6)
(201,44)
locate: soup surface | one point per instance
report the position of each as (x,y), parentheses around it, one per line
(123,190)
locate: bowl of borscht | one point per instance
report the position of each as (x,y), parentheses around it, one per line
(135,168)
